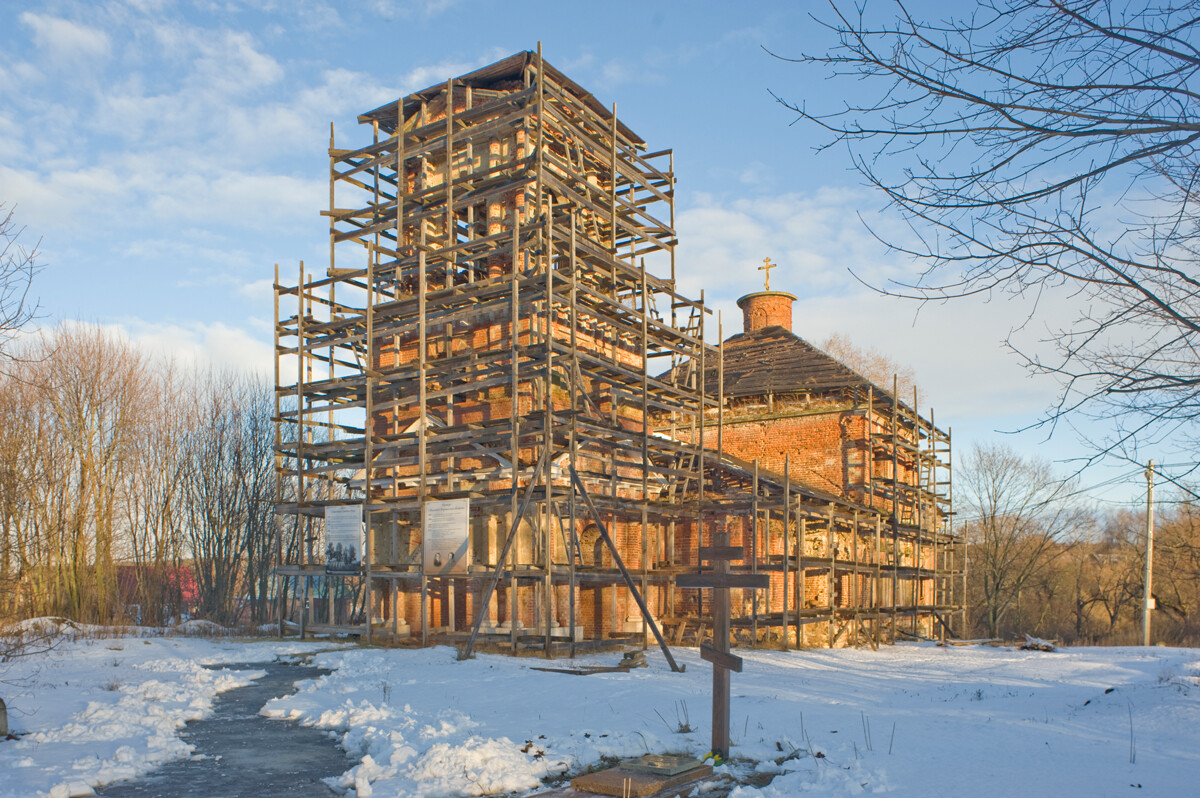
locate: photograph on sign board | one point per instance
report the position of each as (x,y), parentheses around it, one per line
(343,539)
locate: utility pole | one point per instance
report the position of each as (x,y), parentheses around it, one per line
(1147,594)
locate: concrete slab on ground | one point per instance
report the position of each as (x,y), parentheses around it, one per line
(625,781)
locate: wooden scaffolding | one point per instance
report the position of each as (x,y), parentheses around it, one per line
(488,329)
(855,525)
(487,326)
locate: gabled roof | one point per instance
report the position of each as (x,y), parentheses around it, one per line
(506,69)
(776,360)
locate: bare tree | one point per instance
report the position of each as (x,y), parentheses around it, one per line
(230,488)
(16,456)
(97,385)
(120,479)
(871,363)
(1177,574)
(1018,519)
(18,264)
(1116,568)
(67,443)
(155,499)
(1045,148)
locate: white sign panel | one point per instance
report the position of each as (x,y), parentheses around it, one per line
(447,528)
(343,538)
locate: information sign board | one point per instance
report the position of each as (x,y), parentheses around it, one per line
(447,530)
(343,538)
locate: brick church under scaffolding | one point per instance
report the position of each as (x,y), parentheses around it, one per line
(489,372)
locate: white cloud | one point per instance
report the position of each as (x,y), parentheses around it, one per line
(755,173)
(9,136)
(422,77)
(64,40)
(261,290)
(246,200)
(224,63)
(53,198)
(396,9)
(955,348)
(186,345)
(147,6)
(198,344)
(209,127)
(814,238)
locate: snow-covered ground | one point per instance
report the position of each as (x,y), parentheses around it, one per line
(969,721)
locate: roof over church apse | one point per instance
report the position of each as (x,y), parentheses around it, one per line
(775,360)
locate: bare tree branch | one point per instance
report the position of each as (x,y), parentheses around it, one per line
(18,265)
(1044,149)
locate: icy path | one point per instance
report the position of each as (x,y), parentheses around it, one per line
(99,710)
(241,754)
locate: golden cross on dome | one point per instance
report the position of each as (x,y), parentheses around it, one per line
(766,267)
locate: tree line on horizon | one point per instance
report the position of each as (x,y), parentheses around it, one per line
(1041,562)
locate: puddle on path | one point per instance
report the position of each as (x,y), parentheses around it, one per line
(245,754)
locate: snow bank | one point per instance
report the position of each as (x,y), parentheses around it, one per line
(427,725)
(66,629)
(200,628)
(913,719)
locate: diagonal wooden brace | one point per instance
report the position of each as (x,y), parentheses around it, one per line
(637,596)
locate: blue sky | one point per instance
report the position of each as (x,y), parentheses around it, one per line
(167,154)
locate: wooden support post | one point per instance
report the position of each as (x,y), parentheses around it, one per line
(787,485)
(876,587)
(720,704)
(423,416)
(854,579)
(369,439)
(895,444)
(918,502)
(646,431)
(831,574)
(754,553)
(801,586)
(573,372)
(301,431)
(514,616)
(280,592)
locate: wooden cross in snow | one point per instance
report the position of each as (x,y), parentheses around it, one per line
(766,267)
(720,580)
